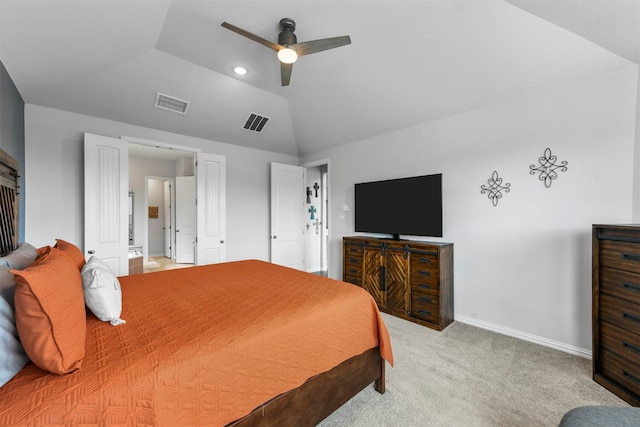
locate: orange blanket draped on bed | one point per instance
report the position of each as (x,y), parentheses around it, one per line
(203,345)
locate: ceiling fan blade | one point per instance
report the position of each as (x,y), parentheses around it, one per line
(267,43)
(306,48)
(285,73)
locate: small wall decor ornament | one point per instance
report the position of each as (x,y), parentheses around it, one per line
(495,188)
(312,211)
(548,168)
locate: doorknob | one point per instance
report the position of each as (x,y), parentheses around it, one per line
(177,231)
(275,237)
(221,241)
(91,252)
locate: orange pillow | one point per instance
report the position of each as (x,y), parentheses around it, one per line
(50,312)
(71,250)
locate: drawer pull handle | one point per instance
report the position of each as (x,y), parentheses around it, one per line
(425,313)
(424,299)
(423,286)
(631,257)
(353,270)
(631,287)
(631,347)
(425,260)
(353,249)
(353,260)
(424,273)
(631,377)
(631,317)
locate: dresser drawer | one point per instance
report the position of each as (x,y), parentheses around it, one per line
(620,255)
(621,284)
(425,307)
(353,250)
(353,259)
(619,312)
(424,260)
(620,341)
(624,373)
(425,276)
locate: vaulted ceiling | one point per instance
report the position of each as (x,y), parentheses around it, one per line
(410,62)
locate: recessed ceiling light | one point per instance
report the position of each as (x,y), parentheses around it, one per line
(241,71)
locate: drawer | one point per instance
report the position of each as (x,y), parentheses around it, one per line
(424,260)
(621,371)
(425,280)
(424,287)
(620,255)
(353,250)
(619,312)
(621,284)
(353,260)
(621,342)
(353,269)
(425,307)
(355,279)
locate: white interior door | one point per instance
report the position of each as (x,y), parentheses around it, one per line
(185,219)
(167,219)
(211,172)
(106,201)
(287,225)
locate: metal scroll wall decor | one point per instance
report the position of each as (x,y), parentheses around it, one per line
(495,188)
(548,168)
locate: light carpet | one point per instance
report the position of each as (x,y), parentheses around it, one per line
(468,376)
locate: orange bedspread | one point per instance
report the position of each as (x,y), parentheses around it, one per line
(202,346)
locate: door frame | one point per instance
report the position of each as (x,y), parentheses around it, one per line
(316,163)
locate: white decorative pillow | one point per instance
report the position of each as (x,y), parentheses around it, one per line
(102,293)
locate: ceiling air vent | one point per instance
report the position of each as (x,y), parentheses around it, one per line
(170,103)
(255,123)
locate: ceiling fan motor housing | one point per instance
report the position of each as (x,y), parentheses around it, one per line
(287,37)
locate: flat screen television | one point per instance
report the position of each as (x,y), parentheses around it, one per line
(409,206)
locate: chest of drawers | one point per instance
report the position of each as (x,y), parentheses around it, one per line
(616,310)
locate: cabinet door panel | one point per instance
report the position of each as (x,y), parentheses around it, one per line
(396,281)
(372,266)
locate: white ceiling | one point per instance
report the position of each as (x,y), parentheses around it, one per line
(410,62)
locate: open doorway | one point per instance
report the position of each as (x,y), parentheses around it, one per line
(152,176)
(317,217)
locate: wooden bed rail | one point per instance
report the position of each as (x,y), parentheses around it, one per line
(321,395)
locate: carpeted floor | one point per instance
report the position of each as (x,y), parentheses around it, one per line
(467,376)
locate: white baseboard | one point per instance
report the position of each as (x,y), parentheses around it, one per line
(576,351)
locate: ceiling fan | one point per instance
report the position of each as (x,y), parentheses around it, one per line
(288,47)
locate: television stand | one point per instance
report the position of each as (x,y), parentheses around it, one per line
(408,279)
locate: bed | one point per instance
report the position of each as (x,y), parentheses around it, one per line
(239,343)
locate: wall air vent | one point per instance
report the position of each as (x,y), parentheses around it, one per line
(255,123)
(170,103)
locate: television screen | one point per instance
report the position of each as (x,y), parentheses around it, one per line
(410,206)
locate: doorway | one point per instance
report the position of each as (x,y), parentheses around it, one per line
(317,217)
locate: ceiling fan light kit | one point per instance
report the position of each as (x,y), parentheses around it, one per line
(288,49)
(287,55)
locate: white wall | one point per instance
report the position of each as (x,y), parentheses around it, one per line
(524,266)
(54,179)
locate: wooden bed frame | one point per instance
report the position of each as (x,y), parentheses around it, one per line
(8,203)
(320,395)
(306,405)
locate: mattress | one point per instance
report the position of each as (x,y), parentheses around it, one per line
(202,346)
